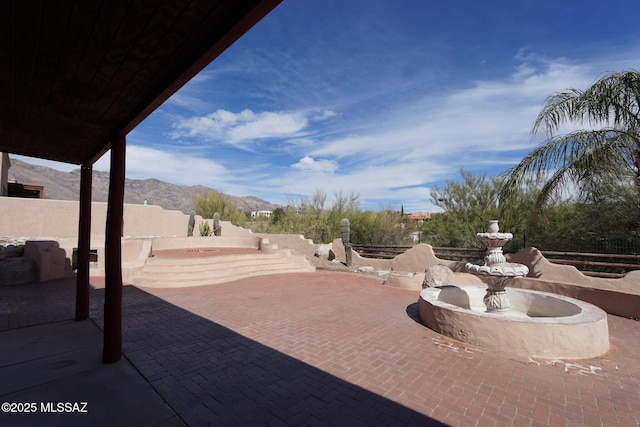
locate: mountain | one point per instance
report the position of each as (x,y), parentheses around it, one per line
(66,186)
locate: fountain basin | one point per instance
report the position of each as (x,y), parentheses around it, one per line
(538,324)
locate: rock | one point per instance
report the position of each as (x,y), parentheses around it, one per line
(17,270)
(11,247)
(325,251)
(437,275)
(11,251)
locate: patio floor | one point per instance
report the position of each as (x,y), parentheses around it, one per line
(321,348)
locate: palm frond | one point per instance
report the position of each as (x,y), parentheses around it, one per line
(585,159)
(572,158)
(613,100)
(558,109)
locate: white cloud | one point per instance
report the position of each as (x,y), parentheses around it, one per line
(378,185)
(490,117)
(485,127)
(323,115)
(176,168)
(187,100)
(309,164)
(389,155)
(268,125)
(245,126)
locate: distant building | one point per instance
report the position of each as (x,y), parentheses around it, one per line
(418,216)
(9,187)
(265,214)
(26,191)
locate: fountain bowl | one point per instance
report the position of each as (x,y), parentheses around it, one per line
(538,324)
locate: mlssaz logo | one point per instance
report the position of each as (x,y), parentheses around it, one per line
(63,407)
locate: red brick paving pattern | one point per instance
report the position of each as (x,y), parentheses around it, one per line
(367,334)
(224,370)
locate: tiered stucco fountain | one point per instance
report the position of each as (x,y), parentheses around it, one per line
(496,272)
(518,321)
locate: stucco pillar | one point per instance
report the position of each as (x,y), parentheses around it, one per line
(84,242)
(112,350)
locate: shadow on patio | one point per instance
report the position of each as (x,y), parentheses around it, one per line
(206,373)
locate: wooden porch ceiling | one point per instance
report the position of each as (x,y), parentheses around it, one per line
(74,74)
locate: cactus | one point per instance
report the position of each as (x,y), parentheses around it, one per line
(217,229)
(205,228)
(345,232)
(192,223)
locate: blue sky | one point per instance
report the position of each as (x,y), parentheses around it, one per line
(380,98)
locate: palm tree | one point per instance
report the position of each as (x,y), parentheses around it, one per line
(609,150)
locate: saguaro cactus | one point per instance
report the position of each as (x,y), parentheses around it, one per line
(345,233)
(192,223)
(217,229)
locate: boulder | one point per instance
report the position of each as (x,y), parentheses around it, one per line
(437,275)
(10,251)
(16,270)
(325,251)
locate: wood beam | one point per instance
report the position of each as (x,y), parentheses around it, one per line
(112,350)
(84,243)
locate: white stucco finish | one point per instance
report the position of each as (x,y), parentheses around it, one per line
(538,324)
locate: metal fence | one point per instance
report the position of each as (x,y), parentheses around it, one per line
(621,245)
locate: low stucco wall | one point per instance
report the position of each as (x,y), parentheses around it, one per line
(416,259)
(616,296)
(224,241)
(295,242)
(620,297)
(51,260)
(542,268)
(59,219)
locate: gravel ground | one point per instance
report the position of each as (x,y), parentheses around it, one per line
(324,264)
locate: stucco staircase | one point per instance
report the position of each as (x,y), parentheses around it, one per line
(184,272)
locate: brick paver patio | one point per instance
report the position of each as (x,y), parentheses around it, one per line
(330,348)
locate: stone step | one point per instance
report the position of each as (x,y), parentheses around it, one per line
(174,272)
(213,270)
(198,262)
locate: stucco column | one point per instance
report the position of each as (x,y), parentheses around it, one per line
(84,242)
(112,350)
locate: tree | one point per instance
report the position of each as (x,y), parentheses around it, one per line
(382,227)
(586,158)
(278,215)
(343,206)
(469,204)
(208,202)
(321,223)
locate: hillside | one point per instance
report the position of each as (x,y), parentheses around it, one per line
(66,186)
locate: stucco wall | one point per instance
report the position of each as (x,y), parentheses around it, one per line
(59,219)
(616,296)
